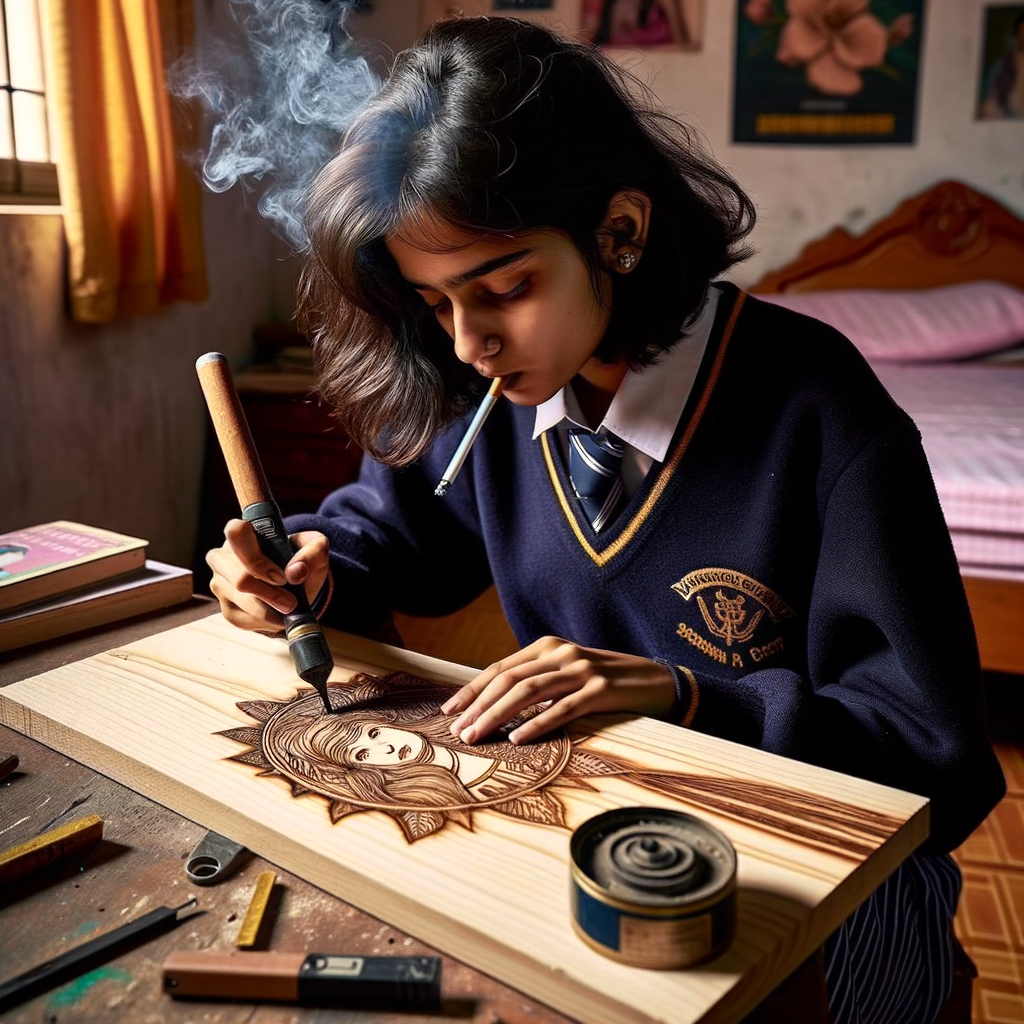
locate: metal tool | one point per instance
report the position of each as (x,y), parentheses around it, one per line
(213,859)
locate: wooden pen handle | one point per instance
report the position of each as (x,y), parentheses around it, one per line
(232,429)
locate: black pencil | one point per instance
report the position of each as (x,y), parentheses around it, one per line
(90,954)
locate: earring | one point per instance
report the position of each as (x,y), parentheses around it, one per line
(626,259)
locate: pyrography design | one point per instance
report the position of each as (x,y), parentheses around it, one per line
(387,748)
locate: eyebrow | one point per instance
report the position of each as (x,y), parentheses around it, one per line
(480,270)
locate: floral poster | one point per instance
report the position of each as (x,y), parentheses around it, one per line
(826,72)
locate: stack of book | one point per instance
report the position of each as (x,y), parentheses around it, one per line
(62,577)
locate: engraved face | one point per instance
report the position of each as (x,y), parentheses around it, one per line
(399,752)
(384,745)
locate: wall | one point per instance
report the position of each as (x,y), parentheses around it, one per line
(106,424)
(801,191)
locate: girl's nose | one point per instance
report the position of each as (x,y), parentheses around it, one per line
(472,336)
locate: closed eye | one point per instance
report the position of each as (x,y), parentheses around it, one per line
(513,293)
(443,304)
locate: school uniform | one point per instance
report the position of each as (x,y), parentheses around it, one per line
(781,549)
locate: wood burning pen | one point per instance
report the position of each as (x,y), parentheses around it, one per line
(306,641)
(454,467)
(314,979)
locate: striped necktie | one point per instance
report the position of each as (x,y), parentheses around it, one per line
(595,463)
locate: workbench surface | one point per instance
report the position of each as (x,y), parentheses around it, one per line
(139,866)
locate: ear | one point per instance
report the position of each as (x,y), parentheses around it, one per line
(623,232)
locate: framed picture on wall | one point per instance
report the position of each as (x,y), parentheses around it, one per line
(675,23)
(1001,86)
(558,14)
(625,23)
(822,73)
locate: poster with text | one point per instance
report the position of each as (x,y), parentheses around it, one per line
(827,72)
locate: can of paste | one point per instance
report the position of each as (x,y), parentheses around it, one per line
(653,887)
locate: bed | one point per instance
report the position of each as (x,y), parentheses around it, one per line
(933,295)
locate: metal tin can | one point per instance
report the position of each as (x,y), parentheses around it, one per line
(653,887)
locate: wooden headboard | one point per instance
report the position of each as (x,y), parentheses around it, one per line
(947,235)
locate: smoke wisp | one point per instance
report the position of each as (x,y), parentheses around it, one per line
(280,89)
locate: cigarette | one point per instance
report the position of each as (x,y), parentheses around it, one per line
(454,467)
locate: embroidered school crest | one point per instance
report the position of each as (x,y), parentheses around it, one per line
(737,616)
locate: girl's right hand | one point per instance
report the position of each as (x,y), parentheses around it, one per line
(250,587)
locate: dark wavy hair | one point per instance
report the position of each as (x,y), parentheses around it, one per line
(496,125)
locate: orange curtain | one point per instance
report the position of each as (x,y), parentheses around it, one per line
(131,205)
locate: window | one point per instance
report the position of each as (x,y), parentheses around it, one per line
(27,170)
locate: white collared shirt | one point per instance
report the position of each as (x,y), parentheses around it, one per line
(646,409)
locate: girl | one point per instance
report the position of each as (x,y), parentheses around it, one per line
(776,571)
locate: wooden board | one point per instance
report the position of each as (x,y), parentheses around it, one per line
(484,885)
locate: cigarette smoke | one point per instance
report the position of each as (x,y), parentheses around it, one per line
(280,91)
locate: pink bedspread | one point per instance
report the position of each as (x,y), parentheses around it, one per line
(971,417)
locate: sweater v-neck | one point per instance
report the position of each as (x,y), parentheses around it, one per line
(604,546)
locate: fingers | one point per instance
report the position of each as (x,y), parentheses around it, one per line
(568,692)
(245,611)
(465,700)
(565,681)
(310,563)
(242,572)
(250,587)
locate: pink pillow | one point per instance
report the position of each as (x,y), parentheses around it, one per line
(953,322)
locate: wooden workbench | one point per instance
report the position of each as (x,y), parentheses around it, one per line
(140,866)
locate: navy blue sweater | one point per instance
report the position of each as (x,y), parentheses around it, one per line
(789,559)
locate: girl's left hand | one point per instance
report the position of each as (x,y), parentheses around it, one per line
(566,680)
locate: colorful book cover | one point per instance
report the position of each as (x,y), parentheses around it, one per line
(73,554)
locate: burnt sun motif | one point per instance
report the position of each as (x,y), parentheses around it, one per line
(386,747)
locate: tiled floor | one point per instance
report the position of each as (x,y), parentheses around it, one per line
(990,922)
